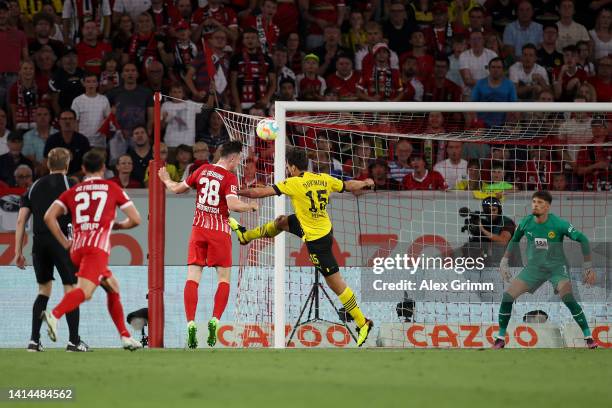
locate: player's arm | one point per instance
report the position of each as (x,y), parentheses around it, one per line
(356,185)
(22,219)
(132,220)
(176,188)
(259,192)
(588,275)
(53,213)
(234,204)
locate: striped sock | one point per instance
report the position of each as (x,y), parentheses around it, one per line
(350,305)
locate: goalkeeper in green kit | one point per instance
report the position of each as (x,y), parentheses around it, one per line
(545,262)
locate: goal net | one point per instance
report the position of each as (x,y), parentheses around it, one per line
(417,250)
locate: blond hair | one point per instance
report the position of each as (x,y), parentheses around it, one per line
(58,159)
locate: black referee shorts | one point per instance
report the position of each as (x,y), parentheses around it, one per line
(48,253)
(320,250)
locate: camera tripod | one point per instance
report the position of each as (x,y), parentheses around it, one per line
(312,303)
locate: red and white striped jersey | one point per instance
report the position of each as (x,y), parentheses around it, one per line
(213,185)
(93,206)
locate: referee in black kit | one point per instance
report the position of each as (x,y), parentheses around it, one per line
(46,251)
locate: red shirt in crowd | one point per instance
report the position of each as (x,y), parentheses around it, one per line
(346,88)
(267,31)
(449,92)
(598,180)
(381,81)
(324,10)
(432,180)
(224,15)
(90,58)
(12,43)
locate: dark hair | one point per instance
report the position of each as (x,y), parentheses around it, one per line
(38,17)
(93,161)
(550,25)
(477,8)
(139,127)
(286,80)
(529,46)
(543,195)
(443,58)
(496,59)
(473,163)
(89,74)
(184,148)
(231,147)
(249,30)
(497,165)
(68,110)
(298,158)
(570,48)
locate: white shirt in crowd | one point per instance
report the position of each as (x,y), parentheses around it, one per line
(180,122)
(3,146)
(571,34)
(600,48)
(517,73)
(132,7)
(91,113)
(452,173)
(478,65)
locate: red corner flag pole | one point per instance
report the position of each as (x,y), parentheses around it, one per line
(157,230)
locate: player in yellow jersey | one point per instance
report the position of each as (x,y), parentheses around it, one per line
(309,194)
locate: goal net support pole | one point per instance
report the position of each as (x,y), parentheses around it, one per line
(156,235)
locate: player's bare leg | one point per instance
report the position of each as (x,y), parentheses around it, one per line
(40,305)
(115,310)
(337,283)
(516,289)
(564,289)
(71,300)
(221,297)
(190,296)
(267,230)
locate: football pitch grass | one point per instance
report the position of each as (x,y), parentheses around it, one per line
(315,378)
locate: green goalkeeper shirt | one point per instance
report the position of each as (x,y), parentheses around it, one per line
(545,241)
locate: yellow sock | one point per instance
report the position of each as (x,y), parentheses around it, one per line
(267,230)
(350,304)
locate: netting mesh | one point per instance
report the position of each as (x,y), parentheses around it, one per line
(432,172)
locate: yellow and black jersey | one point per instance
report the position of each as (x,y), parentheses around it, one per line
(309,193)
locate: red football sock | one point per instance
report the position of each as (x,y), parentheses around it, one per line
(221,299)
(190,296)
(70,301)
(115,309)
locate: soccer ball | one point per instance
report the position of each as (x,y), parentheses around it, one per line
(267,129)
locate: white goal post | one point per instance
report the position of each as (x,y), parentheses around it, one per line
(284,109)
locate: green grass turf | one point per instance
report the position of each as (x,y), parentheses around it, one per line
(317,378)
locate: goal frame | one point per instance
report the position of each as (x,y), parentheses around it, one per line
(283,108)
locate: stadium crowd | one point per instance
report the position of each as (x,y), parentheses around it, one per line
(81,74)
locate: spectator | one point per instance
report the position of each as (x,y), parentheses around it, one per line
(538,170)
(123,173)
(438,88)
(294,53)
(287,91)
(362,156)
(184,157)
(216,133)
(330,50)
(70,139)
(476,16)
(344,81)
(13,48)
(201,155)
(378,170)
(131,103)
(548,56)
(459,11)
(141,152)
(365,59)
(602,82)
(67,82)
(498,185)
(251,178)
(422,12)
(24,176)
(398,26)
(439,36)
(400,167)
(184,51)
(185,12)
(310,85)
(267,30)
(473,181)
(419,51)
(454,168)
(529,78)
(501,12)
(129,8)
(412,87)
(280,59)
(125,30)
(155,78)
(495,88)
(355,38)
(43,23)
(593,163)
(25,96)
(91,52)
(524,30)
(382,82)
(252,76)
(165,16)
(171,168)
(421,178)
(142,48)
(75,14)
(454,67)
(34,139)
(601,35)
(320,14)
(12,159)
(569,77)
(91,110)
(474,62)
(583,57)
(570,32)
(109,77)
(324,161)
(215,16)
(197,77)
(45,61)
(179,119)
(559,182)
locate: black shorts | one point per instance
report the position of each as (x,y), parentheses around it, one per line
(48,253)
(320,250)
